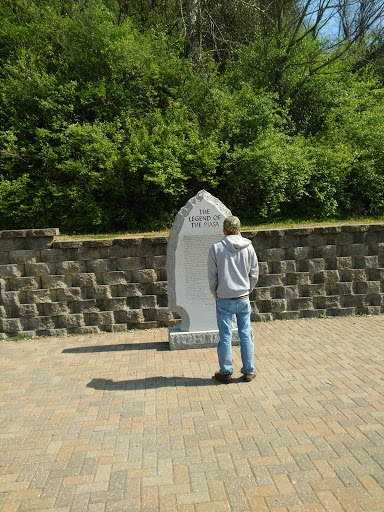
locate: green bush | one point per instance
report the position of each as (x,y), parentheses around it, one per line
(266,175)
(106,126)
(358,124)
(164,161)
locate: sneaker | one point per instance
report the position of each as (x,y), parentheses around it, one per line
(223,377)
(247,377)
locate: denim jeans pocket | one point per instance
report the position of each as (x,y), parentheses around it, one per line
(224,307)
(245,306)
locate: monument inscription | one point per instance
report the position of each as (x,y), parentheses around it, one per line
(195,255)
(197,226)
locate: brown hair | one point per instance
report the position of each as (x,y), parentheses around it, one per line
(232,225)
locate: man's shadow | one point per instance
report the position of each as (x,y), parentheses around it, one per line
(153,383)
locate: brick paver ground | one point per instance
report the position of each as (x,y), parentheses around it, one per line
(117,422)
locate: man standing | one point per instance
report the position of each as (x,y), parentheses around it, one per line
(233,271)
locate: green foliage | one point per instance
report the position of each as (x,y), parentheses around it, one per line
(164,159)
(359,121)
(266,175)
(77,179)
(324,195)
(14,209)
(106,126)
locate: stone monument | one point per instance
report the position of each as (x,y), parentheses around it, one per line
(197,226)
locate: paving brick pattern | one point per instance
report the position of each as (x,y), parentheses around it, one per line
(117,422)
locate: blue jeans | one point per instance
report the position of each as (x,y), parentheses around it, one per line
(225,309)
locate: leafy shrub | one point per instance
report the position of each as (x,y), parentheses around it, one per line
(266,175)
(106,126)
(165,159)
(358,124)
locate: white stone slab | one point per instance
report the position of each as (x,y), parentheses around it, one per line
(179,340)
(197,226)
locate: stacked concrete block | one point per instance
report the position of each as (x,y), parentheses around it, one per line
(319,271)
(50,287)
(81,286)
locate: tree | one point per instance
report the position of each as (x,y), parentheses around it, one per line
(301,37)
(359,19)
(216,28)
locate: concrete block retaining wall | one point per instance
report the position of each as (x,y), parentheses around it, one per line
(321,271)
(50,287)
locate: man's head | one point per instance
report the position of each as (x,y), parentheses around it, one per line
(231,225)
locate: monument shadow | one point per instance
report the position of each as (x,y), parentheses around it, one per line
(161,346)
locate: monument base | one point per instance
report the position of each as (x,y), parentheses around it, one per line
(182,340)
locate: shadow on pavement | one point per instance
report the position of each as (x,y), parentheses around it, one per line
(160,346)
(152,383)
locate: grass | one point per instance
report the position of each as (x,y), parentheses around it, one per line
(119,234)
(313,223)
(18,337)
(289,223)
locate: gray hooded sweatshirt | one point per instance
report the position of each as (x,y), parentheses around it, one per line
(233,268)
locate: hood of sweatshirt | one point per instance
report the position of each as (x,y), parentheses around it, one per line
(235,243)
